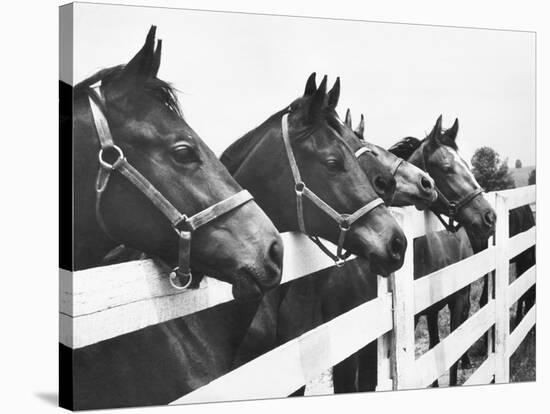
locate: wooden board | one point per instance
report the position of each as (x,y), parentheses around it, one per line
(439,359)
(109,301)
(517,197)
(521,242)
(484,374)
(502,277)
(521,285)
(438,285)
(402,288)
(283,370)
(521,331)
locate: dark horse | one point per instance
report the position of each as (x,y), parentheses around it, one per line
(340,290)
(296,309)
(160,363)
(241,247)
(460,199)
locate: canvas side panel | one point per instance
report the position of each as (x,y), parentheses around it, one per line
(65,199)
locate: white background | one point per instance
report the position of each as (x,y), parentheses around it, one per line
(28,350)
(235,70)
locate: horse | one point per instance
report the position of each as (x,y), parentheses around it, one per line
(240,246)
(327,133)
(301,171)
(460,198)
(343,289)
(158,184)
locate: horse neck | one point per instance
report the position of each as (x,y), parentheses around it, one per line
(417,159)
(90,242)
(266,174)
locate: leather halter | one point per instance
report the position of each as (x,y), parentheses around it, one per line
(181,223)
(344,221)
(453,208)
(395,166)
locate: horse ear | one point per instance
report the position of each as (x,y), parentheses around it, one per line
(452,132)
(142,65)
(436,131)
(348,118)
(156,59)
(311,86)
(360,131)
(318,101)
(334,94)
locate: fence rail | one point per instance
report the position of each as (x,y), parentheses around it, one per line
(102,303)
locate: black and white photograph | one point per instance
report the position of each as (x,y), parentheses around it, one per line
(258,206)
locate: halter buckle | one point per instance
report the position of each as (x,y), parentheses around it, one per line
(106,164)
(340,262)
(452,209)
(175,275)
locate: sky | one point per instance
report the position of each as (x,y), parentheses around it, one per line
(235,70)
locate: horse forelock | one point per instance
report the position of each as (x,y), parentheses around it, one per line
(406,147)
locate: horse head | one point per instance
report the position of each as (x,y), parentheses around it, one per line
(413,186)
(459,194)
(380,177)
(171,169)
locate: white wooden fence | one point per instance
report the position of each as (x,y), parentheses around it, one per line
(102,303)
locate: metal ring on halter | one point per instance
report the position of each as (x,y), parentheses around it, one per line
(344,223)
(299,187)
(340,262)
(173,276)
(179,225)
(104,163)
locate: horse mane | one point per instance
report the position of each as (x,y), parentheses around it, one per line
(236,153)
(154,87)
(405,148)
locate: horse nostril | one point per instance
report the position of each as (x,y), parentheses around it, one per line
(380,184)
(397,247)
(276,254)
(489,218)
(426,184)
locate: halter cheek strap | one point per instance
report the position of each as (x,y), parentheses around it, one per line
(395,166)
(180,276)
(344,221)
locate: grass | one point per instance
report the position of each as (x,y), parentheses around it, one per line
(522,363)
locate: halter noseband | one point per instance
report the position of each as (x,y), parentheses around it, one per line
(453,208)
(344,221)
(395,166)
(181,223)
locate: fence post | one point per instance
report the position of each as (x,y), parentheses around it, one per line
(402,287)
(502,281)
(383,344)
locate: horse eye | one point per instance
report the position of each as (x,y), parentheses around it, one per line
(183,154)
(334,165)
(447,169)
